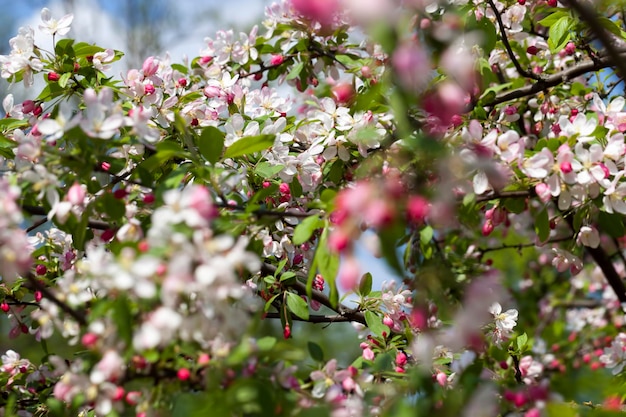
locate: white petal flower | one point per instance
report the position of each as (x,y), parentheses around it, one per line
(52,26)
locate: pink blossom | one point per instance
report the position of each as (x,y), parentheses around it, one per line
(412,65)
(322,11)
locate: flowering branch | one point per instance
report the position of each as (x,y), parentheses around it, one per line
(520,246)
(313,318)
(588,15)
(507,45)
(555,79)
(80,318)
(40,211)
(348,314)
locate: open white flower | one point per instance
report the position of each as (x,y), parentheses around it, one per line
(52,26)
(504,321)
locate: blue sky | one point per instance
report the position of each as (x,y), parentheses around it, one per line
(102,21)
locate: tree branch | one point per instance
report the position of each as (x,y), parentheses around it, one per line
(504,194)
(606,266)
(313,318)
(40,211)
(520,246)
(555,79)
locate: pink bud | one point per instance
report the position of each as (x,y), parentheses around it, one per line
(5,307)
(183,374)
(401,359)
(132,398)
(368,354)
(283,188)
(343,93)
(53,76)
(532,50)
(149,89)
(338,240)
(442,379)
(487,228)
(570,48)
(203,359)
(277,60)
(76,195)
(287,331)
(519,399)
(41,270)
(38,296)
(388,321)
(566,167)
(28,106)
(543,192)
(212,91)
(150,66)
(119,393)
(417,209)
(89,340)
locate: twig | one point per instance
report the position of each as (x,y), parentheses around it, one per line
(40,211)
(313,318)
(265,212)
(36,224)
(504,194)
(520,246)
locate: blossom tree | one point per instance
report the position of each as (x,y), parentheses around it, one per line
(164,234)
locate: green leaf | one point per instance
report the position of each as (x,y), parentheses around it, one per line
(287,276)
(267,170)
(64,79)
(426,235)
(306,228)
(559,33)
(375,324)
(542,225)
(297,306)
(211,144)
(64,47)
(249,144)
(515,205)
(268,303)
(316,352)
(123,319)
(11,124)
(552,18)
(295,71)
(611,224)
(7,143)
(521,341)
(83,50)
(266,343)
(365,286)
